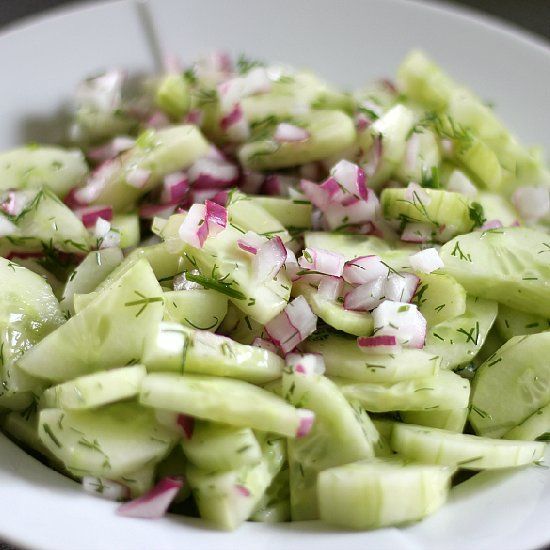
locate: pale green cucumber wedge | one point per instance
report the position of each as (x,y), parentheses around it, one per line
(274,506)
(173,96)
(221,400)
(333,313)
(219,447)
(127,226)
(95,126)
(337,437)
(458,340)
(384,427)
(511,385)
(452,420)
(380,444)
(331,132)
(109,332)
(95,390)
(443,391)
(38,165)
(511,322)
(509,265)
(435,446)
(240,327)
(138,482)
(293,214)
(439,298)
(380,493)
(110,441)
(426,161)
(198,308)
(344,358)
(496,207)
(536,427)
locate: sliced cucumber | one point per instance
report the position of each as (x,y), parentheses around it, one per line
(435,446)
(509,265)
(221,400)
(536,427)
(38,165)
(444,391)
(511,322)
(496,207)
(173,96)
(380,493)
(219,447)
(109,332)
(453,420)
(458,340)
(95,390)
(274,506)
(196,308)
(350,246)
(94,126)
(380,444)
(110,441)
(127,226)
(174,465)
(426,160)
(511,385)
(240,327)
(343,358)
(293,214)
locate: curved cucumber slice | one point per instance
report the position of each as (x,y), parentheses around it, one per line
(293,214)
(95,390)
(445,390)
(197,308)
(435,446)
(453,420)
(333,312)
(109,332)
(218,447)
(38,165)
(509,265)
(274,506)
(380,444)
(127,226)
(221,400)
(458,340)
(511,385)
(511,322)
(536,427)
(343,358)
(337,437)
(110,441)
(331,132)
(240,327)
(379,493)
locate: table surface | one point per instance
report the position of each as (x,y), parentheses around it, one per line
(531,15)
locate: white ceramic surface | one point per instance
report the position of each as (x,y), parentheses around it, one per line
(349,41)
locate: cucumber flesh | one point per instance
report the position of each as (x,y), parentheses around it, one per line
(95,390)
(382,492)
(127,226)
(452,420)
(175,464)
(435,446)
(511,322)
(293,214)
(240,327)
(274,506)
(196,308)
(536,427)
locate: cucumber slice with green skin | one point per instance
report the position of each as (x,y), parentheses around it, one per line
(331,132)
(343,358)
(107,442)
(379,493)
(91,271)
(446,211)
(511,322)
(196,308)
(221,400)
(95,390)
(127,226)
(174,465)
(227,499)
(439,298)
(159,152)
(496,207)
(274,506)
(435,446)
(333,312)
(453,420)
(37,165)
(478,158)
(443,391)
(293,214)
(173,96)
(47,223)
(109,332)
(337,437)
(219,447)
(536,427)
(240,327)
(48,276)
(509,265)
(460,339)
(511,385)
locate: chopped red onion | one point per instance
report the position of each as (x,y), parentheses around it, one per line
(221,197)
(174,188)
(322,261)
(111,149)
(459,182)
(278,185)
(194,229)
(158,120)
(532,203)
(138,177)
(212,173)
(364,269)
(353,213)
(293,325)
(365,297)
(307,418)
(374,156)
(417,194)
(251,242)
(194,116)
(415,232)
(97,181)
(288,133)
(153,504)
(265,344)
(187,424)
(7,227)
(378,344)
(291,265)
(14,202)
(491,224)
(306,363)
(316,194)
(89,214)
(401,287)
(105,488)
(110,240)
(216,217)
(242,490)
(235,125)
(200,196)
(352,178)
(401,320)
(426,261)
(269,259)
(330,287)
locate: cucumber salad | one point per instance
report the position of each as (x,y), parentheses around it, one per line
(236,292)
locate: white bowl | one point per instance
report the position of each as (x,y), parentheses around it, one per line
(350,42)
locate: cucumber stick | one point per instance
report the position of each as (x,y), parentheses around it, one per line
(197,308)
(293,214)
(109,332)
(221,400)
(435,446)
(452,420)
(511,385)
(110,441)
(381,492)
(536,427)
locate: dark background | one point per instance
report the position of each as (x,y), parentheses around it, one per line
(533,15)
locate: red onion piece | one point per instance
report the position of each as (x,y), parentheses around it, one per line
(251,242)
(378,344)
(89,214)
(353,213)
(242,490)
(154,503)
(323,261)
(306,363)
(293,325)
(491,224)
(307,418)
(105,488)
(364,269)
(269,259)
(97,181)
(415,232)
(194,229)
(102,227)
(174,188)
(401,320)
(291,265)
(158,120)
(194,116)
(351,177)
(278,185)
(316,194)
(532,203)
(289,133)
(365,297)
(251,182)
(401,287)
(14,202)
(426,261)
(210,173)
(187,424)
(111,149)
(330,287)
(216,217)
(221,197)
(265,344)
